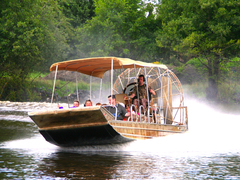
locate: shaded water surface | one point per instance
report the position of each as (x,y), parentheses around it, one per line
(209,150)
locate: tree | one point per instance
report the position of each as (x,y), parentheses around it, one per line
(78,11)
(32,36)
(120,28)
(202,29)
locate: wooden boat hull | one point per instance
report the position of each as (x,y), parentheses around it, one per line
(95,126)
(143,130)
(84,136)
(77,127)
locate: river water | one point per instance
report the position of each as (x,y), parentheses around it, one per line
(209,150)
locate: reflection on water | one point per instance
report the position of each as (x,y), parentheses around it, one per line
(210,150)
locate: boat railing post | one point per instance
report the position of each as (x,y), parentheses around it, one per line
(131,110)
(157,114)
(140,112)
(148,115)
(116,112)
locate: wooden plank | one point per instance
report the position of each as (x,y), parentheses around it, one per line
(145,130)
(68,117)
(74,126)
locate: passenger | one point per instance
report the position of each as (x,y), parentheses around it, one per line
(134,116)
(98,104)
(140,91)
(75,105)
(129,109)
(121,111)
(88,103)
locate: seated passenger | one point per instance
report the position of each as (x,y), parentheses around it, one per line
(134,115)
(129,109)
(88,103)
(75,105)
(98,104)
(121,111)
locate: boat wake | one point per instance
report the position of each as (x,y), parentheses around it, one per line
(210,133)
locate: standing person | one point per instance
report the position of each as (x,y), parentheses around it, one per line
(121,111)
(140,91)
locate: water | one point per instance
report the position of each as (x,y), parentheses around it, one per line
(209,150)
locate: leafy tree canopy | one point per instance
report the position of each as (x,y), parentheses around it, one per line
(207,30)
(32,35)
(78,11)
(122,28)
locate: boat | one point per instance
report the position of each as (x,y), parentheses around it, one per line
(95,125)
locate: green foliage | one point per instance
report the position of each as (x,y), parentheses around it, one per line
(14,89)
(202,29)
(78,11)
(180,69)
(35,74)
(198,28)
(32,36)
(120,28)
(196,89)
(62,88)
(196,63)
(191,33)
(228,91)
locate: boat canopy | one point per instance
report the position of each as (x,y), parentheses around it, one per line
(99,65)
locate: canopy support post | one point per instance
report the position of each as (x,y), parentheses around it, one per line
(77,86)
(161,98)
(146,78)
(54,83)
(100,95)
(90,87)
(111,76)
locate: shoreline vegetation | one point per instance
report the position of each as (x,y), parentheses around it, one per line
(198,41)
(194,85)
(38,87)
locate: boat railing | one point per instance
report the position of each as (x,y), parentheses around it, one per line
(142,115)
(156,115)
(180,115)
(115,115)
(150,114)
(133,113)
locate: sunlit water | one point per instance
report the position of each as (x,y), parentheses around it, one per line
(209,150)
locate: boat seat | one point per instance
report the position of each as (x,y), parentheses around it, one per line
(120,98)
